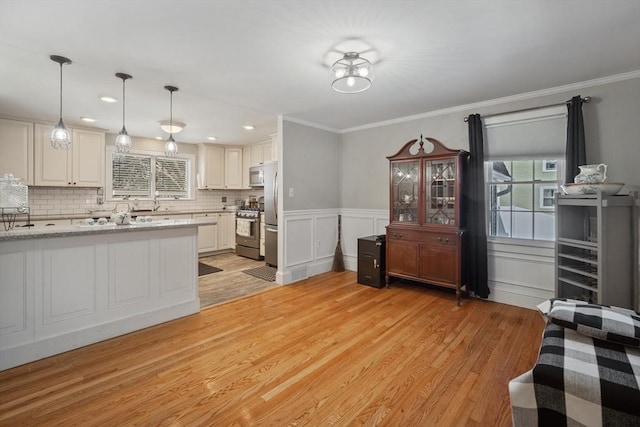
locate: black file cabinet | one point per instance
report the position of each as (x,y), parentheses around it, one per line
(371,260)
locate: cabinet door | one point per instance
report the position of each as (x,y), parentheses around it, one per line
(226,231)
(52,166)
(402,257)
(246,164)
(233,168)
(211,166)
(88,153)
(267,152)
(256,155)
(207,235)
(438,263)
(16,140)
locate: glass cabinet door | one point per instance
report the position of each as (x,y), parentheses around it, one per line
(440,183)
(404,187)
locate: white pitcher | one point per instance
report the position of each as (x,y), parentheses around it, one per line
(591,174)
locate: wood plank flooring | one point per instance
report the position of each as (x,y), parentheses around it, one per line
(325,351)
(231,282)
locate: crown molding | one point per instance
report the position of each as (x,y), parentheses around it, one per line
(498,101)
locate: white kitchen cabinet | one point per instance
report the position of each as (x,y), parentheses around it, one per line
(267,151)
(227,230)
(246,164)
(16,145)
(207,234)
(233,168)
(81,166)
(261,152)
(211,160)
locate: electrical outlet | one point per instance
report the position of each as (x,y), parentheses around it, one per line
(224,199)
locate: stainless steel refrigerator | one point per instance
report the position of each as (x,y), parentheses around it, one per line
(271,214)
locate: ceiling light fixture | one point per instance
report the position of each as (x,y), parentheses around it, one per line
(248,127)
(109,99)
(171,126)
(211,138)
(351,74)
(87,119)
(60,137)
(123,140)
(170,147)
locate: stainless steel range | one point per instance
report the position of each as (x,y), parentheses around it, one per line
(248,233)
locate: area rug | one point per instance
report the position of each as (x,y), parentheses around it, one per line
(265,273)
(206,269)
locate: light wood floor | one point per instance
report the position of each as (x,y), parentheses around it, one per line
(231,282)
(325,351)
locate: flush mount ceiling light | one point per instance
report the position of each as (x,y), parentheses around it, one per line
(109,99)
(211,138)
(171,126)
(351,74)
(123,140)
(60,137)
(248,127)
(170,147)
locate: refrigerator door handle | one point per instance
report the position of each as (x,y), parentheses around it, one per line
(275,194)
(272,230)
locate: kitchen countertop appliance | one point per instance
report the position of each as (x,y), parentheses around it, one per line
(248,233)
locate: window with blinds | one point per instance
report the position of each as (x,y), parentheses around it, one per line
(171,177)
(131,175)
(143,176)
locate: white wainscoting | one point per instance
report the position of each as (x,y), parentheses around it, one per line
(519,274)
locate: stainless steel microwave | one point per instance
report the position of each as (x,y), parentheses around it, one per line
(256,176)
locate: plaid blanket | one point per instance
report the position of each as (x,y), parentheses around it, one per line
(578,380)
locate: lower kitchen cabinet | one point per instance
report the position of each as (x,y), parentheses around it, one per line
(207,234)
(220,236)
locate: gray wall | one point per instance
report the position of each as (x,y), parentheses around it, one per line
(612,128)
(311,166)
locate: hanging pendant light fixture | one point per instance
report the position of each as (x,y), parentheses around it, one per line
(170,147)
(60,137)
(351,74)
(123,140)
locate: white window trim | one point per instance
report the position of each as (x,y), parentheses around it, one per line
(108,184)
(542,196)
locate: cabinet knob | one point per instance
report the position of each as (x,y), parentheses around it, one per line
(440,239)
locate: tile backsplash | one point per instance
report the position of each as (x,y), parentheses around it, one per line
(75,201)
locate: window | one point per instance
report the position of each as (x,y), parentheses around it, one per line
(521,199)
(148,176)
(524,162)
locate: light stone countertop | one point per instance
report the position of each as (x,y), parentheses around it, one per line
(110,228)
(36,217)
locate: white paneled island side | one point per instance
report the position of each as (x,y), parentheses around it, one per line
(67,287)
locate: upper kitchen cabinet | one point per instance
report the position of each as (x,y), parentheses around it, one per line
(16,142)
(210,167)
(81,166)
(233,168)
(219,168)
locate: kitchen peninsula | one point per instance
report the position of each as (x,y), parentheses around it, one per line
(67,287)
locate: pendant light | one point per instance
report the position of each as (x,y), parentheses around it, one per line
(351,74)
(123,140)
(60,137)
(170,147)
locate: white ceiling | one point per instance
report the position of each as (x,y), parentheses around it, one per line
(246,61)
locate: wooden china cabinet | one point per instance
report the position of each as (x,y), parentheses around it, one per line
(425,231)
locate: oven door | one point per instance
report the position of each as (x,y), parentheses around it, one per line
(248,232)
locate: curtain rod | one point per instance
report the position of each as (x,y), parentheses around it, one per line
(586,99)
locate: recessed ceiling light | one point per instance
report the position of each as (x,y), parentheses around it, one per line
(211,138)
(109,99)
(249,127)
(159,137)
(88,119)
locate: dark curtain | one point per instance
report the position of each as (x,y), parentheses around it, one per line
(476,256)
(576,153)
